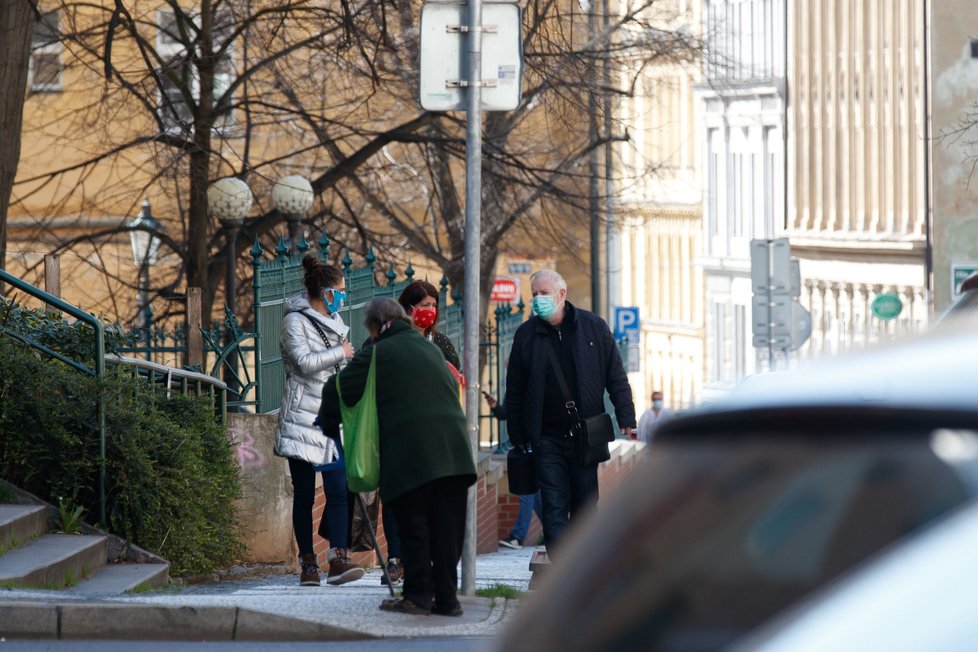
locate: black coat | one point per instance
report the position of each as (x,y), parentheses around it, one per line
(599,368)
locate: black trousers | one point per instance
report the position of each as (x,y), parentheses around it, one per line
(431,520)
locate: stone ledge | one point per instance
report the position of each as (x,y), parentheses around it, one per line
(110,621)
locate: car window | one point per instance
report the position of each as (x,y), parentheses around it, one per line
(729,533)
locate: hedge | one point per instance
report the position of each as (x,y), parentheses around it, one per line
(172,478)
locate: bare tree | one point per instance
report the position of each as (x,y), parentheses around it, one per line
(17,19)
(257,89)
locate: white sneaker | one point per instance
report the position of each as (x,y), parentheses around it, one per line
(513,543)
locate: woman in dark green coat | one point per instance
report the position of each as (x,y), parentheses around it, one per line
(426,462)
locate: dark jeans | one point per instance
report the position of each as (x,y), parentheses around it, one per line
(303,496)
(391,533)
(431,519)
(566,486)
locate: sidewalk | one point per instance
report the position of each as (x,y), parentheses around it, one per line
(256,609)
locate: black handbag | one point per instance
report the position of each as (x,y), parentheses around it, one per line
(593,434)
(520,472)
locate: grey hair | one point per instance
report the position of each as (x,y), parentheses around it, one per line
(557,279)
(381,310)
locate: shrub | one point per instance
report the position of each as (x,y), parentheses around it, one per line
(170,471)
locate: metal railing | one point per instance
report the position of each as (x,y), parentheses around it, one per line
(171,379)
(98,370)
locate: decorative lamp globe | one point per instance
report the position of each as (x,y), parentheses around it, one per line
(144,236)
(229,199)
(292,195)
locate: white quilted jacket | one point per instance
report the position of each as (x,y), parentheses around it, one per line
(309,363)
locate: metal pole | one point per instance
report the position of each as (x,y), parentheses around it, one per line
(594,209)
(147,311)
(612,259)
(294,221)
(230,287)
(473,256)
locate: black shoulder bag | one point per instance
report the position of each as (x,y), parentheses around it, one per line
(592,433)
(322,334)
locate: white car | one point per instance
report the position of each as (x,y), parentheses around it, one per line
(779,510)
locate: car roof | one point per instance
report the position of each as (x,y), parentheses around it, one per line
(938,371)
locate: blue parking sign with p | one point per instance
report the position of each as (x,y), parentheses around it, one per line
(627,323)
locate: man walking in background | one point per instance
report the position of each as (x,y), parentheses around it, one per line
(562,361)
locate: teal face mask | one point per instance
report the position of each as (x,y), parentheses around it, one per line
(337,302)
(543,306)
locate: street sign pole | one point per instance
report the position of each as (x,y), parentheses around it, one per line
(473,254)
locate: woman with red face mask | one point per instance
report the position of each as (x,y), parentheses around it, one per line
(420,302)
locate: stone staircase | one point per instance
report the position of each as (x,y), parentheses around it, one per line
(31,557)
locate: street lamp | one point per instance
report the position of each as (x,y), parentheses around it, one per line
(144,231)
(230,200)
(292,196)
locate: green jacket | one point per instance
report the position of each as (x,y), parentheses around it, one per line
(422,427)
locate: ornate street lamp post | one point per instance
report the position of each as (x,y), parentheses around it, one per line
(230,200)
(144,238)
(293,196)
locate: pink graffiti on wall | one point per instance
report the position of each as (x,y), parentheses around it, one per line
(249,457)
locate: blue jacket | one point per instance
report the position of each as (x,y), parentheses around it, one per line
(599,368)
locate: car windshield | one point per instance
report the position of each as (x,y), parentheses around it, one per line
(966,304)
(732,532)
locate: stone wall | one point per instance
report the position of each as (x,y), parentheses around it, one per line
(265,508)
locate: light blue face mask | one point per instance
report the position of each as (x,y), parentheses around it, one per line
(337,302)
(544,306)
(657,404)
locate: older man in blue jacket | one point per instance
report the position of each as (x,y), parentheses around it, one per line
(588,359)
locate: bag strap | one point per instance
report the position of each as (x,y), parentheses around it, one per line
(565,390)
(322,334)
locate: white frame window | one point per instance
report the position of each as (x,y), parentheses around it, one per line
(46,65)
(171,49)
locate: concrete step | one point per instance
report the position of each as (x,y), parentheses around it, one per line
(53,560)
(21,523)
(115,579)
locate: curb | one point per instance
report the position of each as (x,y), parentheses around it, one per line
(95,620)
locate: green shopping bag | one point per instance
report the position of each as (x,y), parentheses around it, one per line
(361,434)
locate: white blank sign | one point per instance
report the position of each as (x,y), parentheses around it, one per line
(442,56)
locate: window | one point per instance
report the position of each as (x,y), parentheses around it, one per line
(974,48)
(177,35)
(44,74)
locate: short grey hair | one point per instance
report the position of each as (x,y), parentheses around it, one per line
(381,310)
(555,278)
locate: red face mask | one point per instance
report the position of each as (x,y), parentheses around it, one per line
(424,317)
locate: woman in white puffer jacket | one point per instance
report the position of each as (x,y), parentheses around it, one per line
(314,347)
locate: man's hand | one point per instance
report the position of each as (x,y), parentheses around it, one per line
(491,400)
(630,433)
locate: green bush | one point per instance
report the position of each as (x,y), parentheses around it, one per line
(171,474)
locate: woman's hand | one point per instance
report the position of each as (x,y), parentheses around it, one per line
(347,350)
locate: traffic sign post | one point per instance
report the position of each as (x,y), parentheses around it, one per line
(627,324)
(778,321)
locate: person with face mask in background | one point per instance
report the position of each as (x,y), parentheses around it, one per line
(562,344)
(420,302)
(653,418)
(314,347)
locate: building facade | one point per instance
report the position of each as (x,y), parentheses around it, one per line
(743,100)
(857,216)
(660,238)
(953,76)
